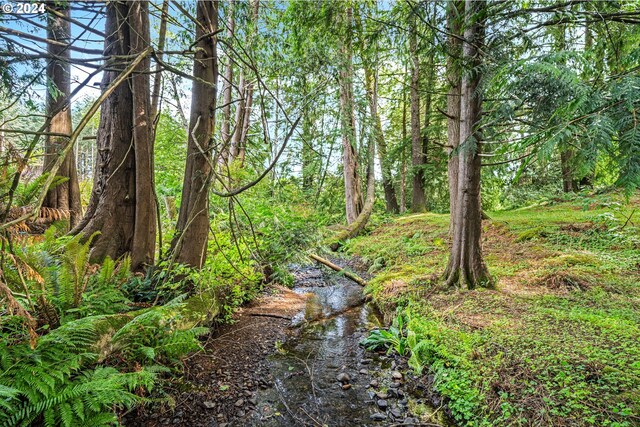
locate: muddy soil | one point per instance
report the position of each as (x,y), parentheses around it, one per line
(293,359)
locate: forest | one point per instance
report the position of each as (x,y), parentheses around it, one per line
(320,213)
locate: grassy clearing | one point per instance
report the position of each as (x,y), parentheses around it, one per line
(558,342)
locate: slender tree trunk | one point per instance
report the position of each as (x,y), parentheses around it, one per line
(358,225)
(430,71)
(352,186)
(308,155)
(243,111)
(122,206)
(143,246)
(157,78)
(227,89)
(418,202)
(455,16)
(189,245)
(65,196)
(403,154)
(466,266)
(569,183)
(371,82)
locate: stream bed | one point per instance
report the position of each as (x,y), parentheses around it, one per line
(321,375)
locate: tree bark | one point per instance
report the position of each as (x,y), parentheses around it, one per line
(227,89)
(360,222)
(352,186)
(143,245)
(189,245)
(418,201)
(66,195)
(403,154)
(455,17)
(569,182)
(243,111)
(466,266)
(122,206)
(371,83)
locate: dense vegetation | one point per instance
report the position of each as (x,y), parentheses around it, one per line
(162,163)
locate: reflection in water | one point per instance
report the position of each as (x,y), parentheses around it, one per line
(306,390)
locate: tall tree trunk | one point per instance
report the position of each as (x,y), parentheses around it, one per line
(455,17)
(569,183)
(157,78)
(189,245)
(403,154)
(352,186)
(143,246)
(418,202)
(122,206)
(466,266)
(227,90)
(243,111)
(430,71)
(65,196)
(371,83)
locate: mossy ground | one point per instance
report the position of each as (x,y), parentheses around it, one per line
(556,343)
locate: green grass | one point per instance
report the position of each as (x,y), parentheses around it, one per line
(557,343)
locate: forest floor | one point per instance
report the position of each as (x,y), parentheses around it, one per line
(556,343)
(293,358)
(219,383)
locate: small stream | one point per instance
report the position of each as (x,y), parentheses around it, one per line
(322,376)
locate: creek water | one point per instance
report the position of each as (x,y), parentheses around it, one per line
(310,387)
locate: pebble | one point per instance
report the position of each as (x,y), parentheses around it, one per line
(410,421)
(396,412)
(209,405)
(382,395)
(364,371)
(239,403)
(343,377)
(403,402)
(373,383)
(241,414)
(382,404)
(365,361)
(346,386)
(396,375)
(253,401)
(378,416)
(395,385)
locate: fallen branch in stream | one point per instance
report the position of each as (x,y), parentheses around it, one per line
(274,316)
(359,280)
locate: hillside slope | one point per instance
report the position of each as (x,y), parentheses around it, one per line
(557,343)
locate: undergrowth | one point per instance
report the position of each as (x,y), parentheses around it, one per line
(555,344)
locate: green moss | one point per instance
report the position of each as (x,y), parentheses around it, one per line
(528,351)
(532,233)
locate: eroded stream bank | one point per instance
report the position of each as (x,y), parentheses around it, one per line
(294,359)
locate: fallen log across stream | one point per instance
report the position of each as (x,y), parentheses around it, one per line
(359,280)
